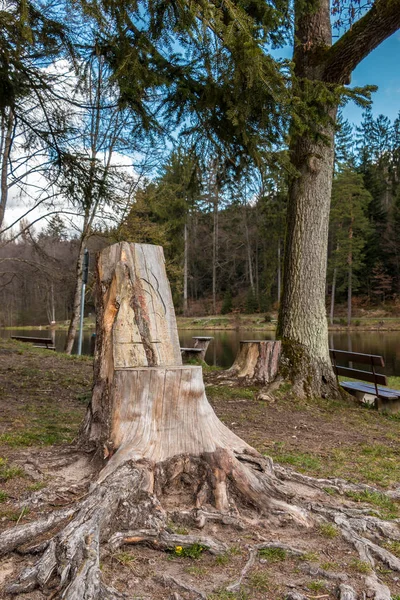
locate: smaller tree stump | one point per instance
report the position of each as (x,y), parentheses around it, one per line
(202,342)
(257,361)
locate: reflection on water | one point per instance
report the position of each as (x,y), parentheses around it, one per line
(58,336)
(224,346)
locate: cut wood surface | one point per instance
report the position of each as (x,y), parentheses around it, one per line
(135,324)
(257,361)
(161,412)
(138,309)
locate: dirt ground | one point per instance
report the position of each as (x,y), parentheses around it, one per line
(43,397)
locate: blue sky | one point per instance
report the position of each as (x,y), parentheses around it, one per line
(381,68)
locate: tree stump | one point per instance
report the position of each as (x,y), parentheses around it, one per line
(202,342)
(163,412)
(135,326)
(257,361)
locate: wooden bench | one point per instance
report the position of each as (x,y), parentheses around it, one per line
(191,353)
(372,392)
(38,342)
(198,352)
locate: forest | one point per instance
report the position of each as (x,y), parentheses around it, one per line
(223,238)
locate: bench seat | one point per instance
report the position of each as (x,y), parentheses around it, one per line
(366,388)
(44,347)
(194,350)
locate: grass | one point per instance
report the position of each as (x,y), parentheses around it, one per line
(194,551)
(309,557)
(260,581)
(47,436)
(301,460)
(328,530)
(124,558)
(393,547)
(13,515)
(330,566)
(360,566)
(223,559)
(9,472)
(38,485)
(3,496)
(196,571)
(388,508)
(374,464)
(273,554)
(317,586)
(225,595)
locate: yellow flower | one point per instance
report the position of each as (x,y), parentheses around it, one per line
(178,549)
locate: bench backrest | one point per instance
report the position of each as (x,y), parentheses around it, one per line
(374,360)
(33,340)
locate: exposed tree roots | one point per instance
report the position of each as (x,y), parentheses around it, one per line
(134,503)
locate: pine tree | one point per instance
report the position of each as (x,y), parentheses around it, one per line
(349,231)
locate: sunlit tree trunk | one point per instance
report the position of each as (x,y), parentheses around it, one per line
(7,126)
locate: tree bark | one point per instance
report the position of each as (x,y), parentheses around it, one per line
(333,292)
(302,323)
(214,191)
(349,292)
(185,269)
(350,274)
(256,361)
(279,271)
(76,307)
(7,135)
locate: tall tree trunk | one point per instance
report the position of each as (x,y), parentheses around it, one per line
(302,316)
(76,306)
(350,276)
(6,135)
(248,248)
(279,271)
(333,292)
(215,243)
(302,321)
(185,269)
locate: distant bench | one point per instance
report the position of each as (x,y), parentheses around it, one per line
(39,342)
(383,398)
(198,352)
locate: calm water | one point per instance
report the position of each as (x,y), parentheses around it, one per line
(223,348)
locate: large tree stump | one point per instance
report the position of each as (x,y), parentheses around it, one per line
(162,448)
(257,361)
(135,326)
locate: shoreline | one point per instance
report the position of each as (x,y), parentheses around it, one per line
(193,326)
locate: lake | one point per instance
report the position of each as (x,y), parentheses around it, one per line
(223,348)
